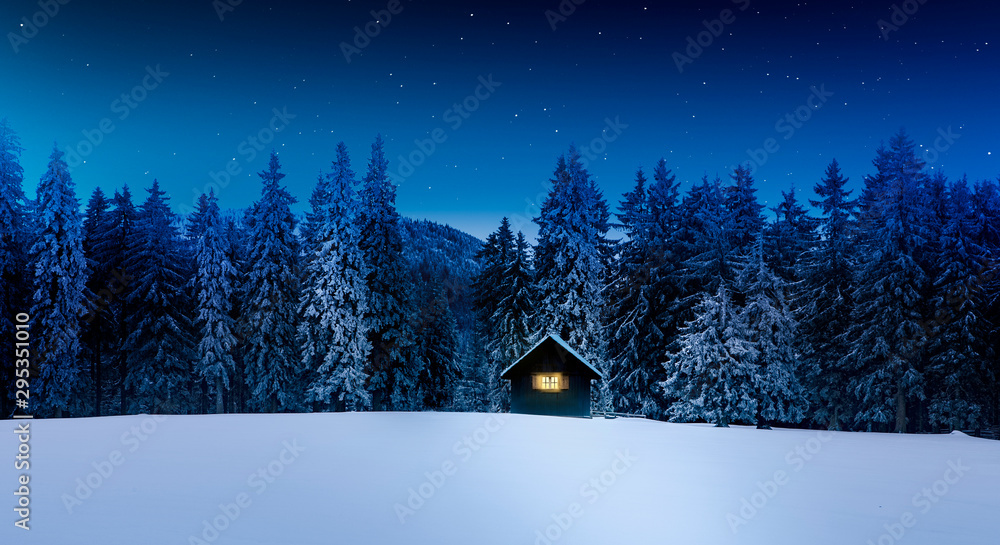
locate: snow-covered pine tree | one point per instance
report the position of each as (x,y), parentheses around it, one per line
(824,303)
(390,307)
(214,286)
(496,255)
(631,301)
(272,287)
(511,322)
(790,237)
(491,286)
(570,266)
(986,203)
(701,248)
(702,239)
(960,378)
(665,279)
(887,333)
(102,288)
(332,332)
(712,376)
(160,346)
(319,203)
(196,220)
(60,276)
(873,191)
(744,214)
(770,329)
(471,394)
(14,241)
(112,249)
(437,347)
(236,235)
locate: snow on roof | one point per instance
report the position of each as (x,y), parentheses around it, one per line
(561,343)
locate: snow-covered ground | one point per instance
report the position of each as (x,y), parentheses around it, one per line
(435,478)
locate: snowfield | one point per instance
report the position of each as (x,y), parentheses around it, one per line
(441,478)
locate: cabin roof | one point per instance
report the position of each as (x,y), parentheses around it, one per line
(552,338)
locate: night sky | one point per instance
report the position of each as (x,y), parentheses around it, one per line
(608,69)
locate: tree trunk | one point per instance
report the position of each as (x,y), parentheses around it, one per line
(122,371)
(219,404)
(96,369)
(900,410)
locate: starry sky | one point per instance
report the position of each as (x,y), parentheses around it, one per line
(476,100)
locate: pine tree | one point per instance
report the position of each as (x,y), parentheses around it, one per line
(112,249)
(436,349)
(498,329)
(332,331)
(159,348)
(702,250)
(667,287)
(236,235)
(319,203)
(824,303)
(511,322)
(790,237)
(471,394)
(712,376)
(887,328)
(272,285)
(771,331)
(986,206)
(214,286)
(744,217)
(570,261)
(196,220)
(60,275)
(102,288)
(14,242)
(959,376)
(496,255)
(393,372)
(632,301)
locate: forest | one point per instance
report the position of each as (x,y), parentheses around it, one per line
(876,311)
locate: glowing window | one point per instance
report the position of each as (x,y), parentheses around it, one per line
(550,383)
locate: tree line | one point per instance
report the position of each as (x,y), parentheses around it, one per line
(874,313)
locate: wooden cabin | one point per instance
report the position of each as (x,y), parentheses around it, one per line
(551,379)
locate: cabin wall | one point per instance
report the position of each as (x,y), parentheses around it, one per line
(572,402)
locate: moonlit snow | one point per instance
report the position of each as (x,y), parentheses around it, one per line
(442,478)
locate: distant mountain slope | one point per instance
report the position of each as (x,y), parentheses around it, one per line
(441,245)
(443,254)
